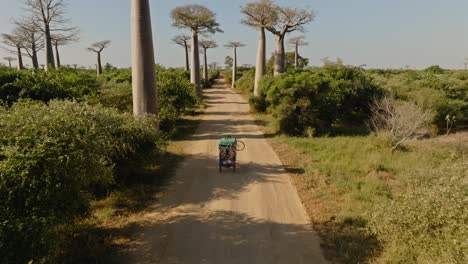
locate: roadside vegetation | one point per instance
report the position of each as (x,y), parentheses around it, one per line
(72,151)
(379,157)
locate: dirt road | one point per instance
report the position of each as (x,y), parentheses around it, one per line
(251,216)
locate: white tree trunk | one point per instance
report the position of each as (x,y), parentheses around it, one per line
(234,69)
(49,53)
(296,57)
(195,70)
(261,60)
(57,56)
(144,90)
(205,67)
(20,59)
(99,65)
(278,68)
(187,63)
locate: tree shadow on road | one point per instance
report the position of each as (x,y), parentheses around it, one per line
(223,237)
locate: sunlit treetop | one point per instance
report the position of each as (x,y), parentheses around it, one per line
(198,18)
(260,14)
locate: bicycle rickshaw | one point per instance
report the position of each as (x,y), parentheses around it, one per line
(228,148)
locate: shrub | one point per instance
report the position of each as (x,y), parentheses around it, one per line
(45,86)
(246,82)
(319,99)
(213,74)
(176,97)
(443,92)
(51,157)
(436,69)
(175,92)
(398,121)
(427,222)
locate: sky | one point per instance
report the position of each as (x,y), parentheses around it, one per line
(378,33)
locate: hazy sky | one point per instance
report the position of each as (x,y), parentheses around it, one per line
(379,33)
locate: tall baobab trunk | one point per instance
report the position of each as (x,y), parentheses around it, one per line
(296,57)
(48,49)
(144,91)
(261,60)
(187,63)
(205,67)
(234,68)
(9,64)
(20,58)
(57,55)
(34,59)
(99,65)
(195,70)
(278,68)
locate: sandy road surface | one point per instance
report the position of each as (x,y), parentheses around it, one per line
(251,216)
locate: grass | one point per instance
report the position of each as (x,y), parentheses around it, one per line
(342,179)
(103,237)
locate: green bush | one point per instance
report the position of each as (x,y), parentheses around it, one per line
(319,99)
(176,97)
(426,223)
(213,74)
(246,82)
(51,158)
(45,86)
(436,69)
(444,92)
(175,92)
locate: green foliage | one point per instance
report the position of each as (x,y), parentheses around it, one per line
(246,82)
(436,69)
(228,61)
(175,92)
(413,201)
(445,93)
(51,157)
(45,86)
(176,97)
(427,223)
(318,99)
(213,74)
(289,62)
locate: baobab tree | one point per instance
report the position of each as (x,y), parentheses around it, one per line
(9,59)
(49,17)
(62,40)
(32,40)
(98,47)
(200,20)
(14,41)
(295,43)
(466,63)
(184,41)
(234,45)
(259,15)
(289,20)
(144,91)
(204,46)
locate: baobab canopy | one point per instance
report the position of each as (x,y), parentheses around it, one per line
(195,17)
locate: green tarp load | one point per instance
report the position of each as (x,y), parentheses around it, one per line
(226,142)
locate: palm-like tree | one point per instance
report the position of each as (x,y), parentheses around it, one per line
(200,20)
(259,15)
(295,43)
(144,91)
(184,41)
(98,47)
(234,45)
(205,45)
(9,59)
